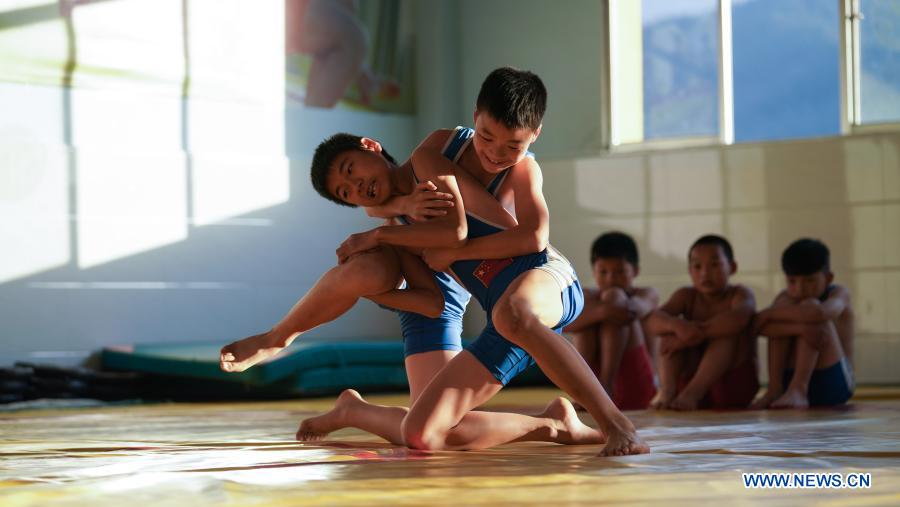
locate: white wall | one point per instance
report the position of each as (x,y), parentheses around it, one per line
(129,216)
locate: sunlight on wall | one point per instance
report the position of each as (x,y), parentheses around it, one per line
(34,182)
(34,215)
(133,44)
(235,125)
(231,184)
(237,50)
(145,165)
(119,121)
(131,176)
(44,38)
(128,203)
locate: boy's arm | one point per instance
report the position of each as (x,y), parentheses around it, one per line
(811,311)
(812,333)
(530,235)
(448,231)
(678,333)
(643,301)
(421,295)
(424,203)
(808,311)
(597,312)
(783,329)
(730,323)
(665,319)
(838,301)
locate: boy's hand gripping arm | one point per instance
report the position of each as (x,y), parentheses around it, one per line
(424,203)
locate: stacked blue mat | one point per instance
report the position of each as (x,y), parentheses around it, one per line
(305,369)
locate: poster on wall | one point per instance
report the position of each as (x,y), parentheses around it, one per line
(350,54)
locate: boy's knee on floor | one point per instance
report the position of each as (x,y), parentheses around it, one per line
(422,437)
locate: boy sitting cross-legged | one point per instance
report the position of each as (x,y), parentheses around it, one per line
(708,356)
(608,333)
(810,332)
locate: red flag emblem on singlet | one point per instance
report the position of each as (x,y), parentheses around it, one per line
(487,270)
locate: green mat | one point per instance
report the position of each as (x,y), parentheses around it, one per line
(306,368)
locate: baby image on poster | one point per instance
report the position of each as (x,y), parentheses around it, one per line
(350,54)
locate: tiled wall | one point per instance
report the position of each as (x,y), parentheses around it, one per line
(845,191)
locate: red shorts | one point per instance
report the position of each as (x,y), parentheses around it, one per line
(736,389)
(634,386)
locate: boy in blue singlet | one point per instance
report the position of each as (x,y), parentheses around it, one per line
(810,332)
(527,297)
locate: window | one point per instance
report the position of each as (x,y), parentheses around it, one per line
(681,68)
(879,48)
(786,69)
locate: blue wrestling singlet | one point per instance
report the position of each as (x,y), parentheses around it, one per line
(426,334)
(487,280)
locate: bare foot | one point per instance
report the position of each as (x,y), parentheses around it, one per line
(792,398)
(623,440)
(662,401)
(317,428)
(571,430)
(685,401)
(242,354)
(765,400)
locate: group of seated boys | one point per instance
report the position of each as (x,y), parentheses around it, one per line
(698,349)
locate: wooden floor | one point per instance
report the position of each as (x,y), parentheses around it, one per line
(244,454)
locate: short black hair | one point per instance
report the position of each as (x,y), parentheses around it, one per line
(806,256)
(515,98)
(326,152)
(716,240)
(615,245)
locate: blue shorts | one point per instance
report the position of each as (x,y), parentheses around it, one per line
(424,334)
(505,359)
(829,386)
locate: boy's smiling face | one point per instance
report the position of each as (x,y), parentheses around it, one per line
(361,176)
(499,146)
(612,272)
(800,287)
(710,268)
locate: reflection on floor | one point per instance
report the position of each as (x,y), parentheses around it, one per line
(244,454)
